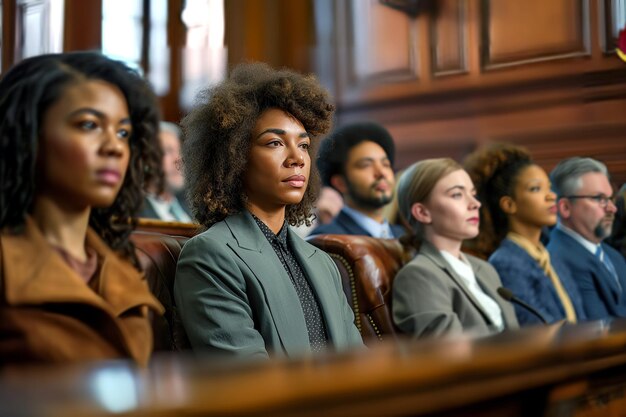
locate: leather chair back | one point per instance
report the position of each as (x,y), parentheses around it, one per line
(367,267)
(158,254)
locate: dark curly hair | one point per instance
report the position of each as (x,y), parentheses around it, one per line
(27,91)
(494,169)
(217,136)
(334,150)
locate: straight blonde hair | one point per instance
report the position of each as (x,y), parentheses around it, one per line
(416,184)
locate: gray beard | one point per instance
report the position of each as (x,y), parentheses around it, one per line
(602,232)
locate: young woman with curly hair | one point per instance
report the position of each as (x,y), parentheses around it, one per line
(249,286)
(443,291)
(77,144)
(517,203)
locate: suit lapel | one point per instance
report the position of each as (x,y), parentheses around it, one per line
(431,252)
(490,287)
(576,249)
(281,297)
(350,225)
(321,281)
(37,275)
(609,277)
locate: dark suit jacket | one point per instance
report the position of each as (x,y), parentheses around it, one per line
(235,297)
(601,296)
(343,224)
(521,274)
(430,299)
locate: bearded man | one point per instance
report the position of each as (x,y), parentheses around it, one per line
(357,160)
(586,211)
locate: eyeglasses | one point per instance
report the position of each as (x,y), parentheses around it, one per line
(602,200)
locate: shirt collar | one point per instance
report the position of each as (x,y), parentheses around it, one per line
(587,244)
(370,225)
(280,237)
(460,266)
(48,278)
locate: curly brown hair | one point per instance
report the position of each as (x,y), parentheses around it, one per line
(27,91)
(217,136)
(494,169)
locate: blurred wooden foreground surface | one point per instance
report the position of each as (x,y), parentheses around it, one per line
(551,371)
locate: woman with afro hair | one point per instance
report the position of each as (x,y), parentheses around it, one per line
(78,142)
(517,203)
(248,286)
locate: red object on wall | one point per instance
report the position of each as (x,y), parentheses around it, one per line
(621,44)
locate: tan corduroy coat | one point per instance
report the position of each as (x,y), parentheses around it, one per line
(49,314)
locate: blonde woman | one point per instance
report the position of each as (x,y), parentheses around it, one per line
(443,291)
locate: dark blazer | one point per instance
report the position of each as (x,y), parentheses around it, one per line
(601,296)
(235,297)
(521,274)
(430,299)
(344,224)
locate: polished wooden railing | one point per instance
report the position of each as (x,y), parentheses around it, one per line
(555,370)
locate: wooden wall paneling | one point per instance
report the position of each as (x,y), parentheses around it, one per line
(377,45)
(559,29)
(1,33)
(374,29)
(448,38)
(567,84)
(376,88)
(549,111)
(83,25)
(604,142)
(8,34)
(279,32)
(170,107)
(296,34)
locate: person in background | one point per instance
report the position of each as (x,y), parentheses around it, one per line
(78,140)
(517,203)
(357,160)
(249,286)
(618,236)
(327,206)
(170,205)
(586,211)
(443,291)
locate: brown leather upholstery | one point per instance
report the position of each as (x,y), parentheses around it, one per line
(158,254)
(168,228)
(367,267)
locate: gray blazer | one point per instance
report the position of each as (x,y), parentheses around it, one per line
(430,299)
(235,297)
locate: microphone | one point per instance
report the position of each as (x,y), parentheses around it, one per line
(509,296)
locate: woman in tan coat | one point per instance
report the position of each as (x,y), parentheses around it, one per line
(77,141)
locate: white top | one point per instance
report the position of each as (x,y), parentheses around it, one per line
(463,268)
(379,230)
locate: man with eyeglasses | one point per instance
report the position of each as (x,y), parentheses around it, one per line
(586,211)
